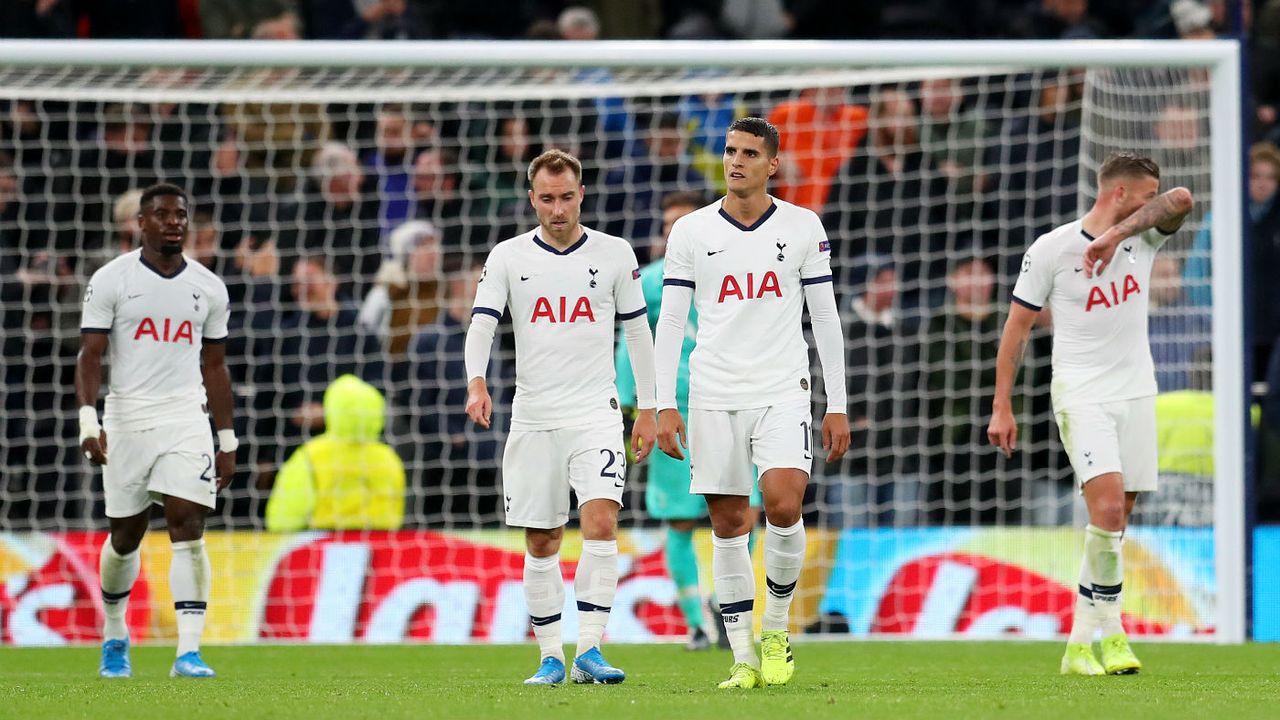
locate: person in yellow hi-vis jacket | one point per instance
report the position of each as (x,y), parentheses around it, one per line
(346,478)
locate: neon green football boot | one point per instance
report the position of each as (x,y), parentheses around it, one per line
(776,662)
(1079,660)
(1118,657)
(743,676)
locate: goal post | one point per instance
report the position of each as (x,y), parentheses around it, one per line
(278,110)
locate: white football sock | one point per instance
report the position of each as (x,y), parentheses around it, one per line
(544,596)
(1085,620)
(783,559)
(118,573)
(594,585)
(1106,568)
(189,577)
(736,590)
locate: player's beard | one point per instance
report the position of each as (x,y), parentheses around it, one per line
(170,249)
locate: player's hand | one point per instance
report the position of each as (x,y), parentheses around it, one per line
(479,404)
(95,449)
(226,466)
(644,433)
(671,433)
(1003,431)
(835,435)
(1098,254)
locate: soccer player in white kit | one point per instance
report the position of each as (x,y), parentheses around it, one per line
(564,285)
(1093,275)
(750,263)
(162,322)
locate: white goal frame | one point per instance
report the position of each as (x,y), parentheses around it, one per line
(1221,57)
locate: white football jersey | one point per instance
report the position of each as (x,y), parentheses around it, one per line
(1100,347)
(157,326)
(563,309)
(748,288)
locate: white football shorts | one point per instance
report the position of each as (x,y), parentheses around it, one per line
(539,467)
(724,444)
(1114,437)
(145,465)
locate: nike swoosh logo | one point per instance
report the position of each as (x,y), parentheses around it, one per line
(713,252)
(136,296)
(525,277)
(1079,269)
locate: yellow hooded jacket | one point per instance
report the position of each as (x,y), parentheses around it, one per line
(346,478)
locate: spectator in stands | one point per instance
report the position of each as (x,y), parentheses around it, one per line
(629,203)
(240,19)
(459,461)
(131,19)
(121,159)
(865,215)
(1264,229)
(954,137)
(578,23)
(615,122)
(356,20)
(347,478)
(818,130)
(968,483)
(1181,149)
(389,162)
(878,484)
(1179,330)
(1192,20)
(407,292)
(44,19)
(438,198)
(1036,166)
(273,140)
(628,19)
(1060,20)
(342,218)
(299,349)
(707,119)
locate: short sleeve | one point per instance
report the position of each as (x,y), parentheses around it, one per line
(491,291)
(1156,238)
(677,264)
(99,309)
(1035,281)
(817,259)
(628,291)
(215,324)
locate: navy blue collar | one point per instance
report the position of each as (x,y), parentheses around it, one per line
(566,251)
(157,270)
(759,221)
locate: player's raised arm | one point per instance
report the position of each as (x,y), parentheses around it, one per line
(634,314)
(828,335)
(491,299)
(1165,212)
(677,296)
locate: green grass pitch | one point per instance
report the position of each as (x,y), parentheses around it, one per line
(833,680)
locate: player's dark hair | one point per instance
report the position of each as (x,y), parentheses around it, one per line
(555,162)
(160,190)
(1127,164)
(684,198)
(761,128)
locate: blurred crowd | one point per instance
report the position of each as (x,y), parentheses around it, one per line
(351,238)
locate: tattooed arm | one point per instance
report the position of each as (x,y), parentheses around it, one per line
(1165,212)
(1003,430)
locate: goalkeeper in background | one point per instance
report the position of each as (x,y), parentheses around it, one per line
(666,494)
(347,478)
(1104,381)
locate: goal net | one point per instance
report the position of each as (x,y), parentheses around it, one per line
(348,197)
